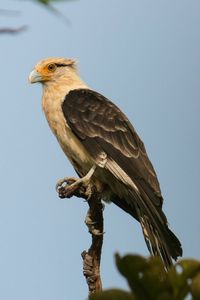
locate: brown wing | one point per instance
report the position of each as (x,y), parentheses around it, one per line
(101,126)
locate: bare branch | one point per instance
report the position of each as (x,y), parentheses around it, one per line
(94,221)
(92,257)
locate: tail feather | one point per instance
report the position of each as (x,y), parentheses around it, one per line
(155,244)
(160,240)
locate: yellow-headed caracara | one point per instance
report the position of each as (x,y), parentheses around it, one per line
(105,149)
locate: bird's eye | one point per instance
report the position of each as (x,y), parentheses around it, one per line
(51,67)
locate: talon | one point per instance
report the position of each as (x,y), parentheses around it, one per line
(62,183)
(70,186)
(59,184)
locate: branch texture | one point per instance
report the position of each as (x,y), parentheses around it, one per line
(94,222)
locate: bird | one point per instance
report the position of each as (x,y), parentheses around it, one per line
(105,150)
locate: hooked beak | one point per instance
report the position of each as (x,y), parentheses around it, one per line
(34,76)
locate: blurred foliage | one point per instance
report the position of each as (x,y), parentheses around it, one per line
(148,280)
(48,5)
(112,294)
(47,2)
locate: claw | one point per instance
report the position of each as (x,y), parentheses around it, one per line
(65,182)
(70,186)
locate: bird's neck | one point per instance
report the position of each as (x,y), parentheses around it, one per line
(60,88)
(54,93)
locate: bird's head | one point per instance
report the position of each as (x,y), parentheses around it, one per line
(53,69)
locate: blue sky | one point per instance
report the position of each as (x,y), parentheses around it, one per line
(143,55)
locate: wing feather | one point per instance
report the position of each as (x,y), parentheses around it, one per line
(96,120)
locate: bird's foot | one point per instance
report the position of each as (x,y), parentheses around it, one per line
(65,181)
(79,187)
(70,186)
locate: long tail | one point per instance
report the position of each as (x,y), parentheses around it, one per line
(160,240)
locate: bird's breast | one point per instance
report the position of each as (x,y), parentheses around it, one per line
(71,145)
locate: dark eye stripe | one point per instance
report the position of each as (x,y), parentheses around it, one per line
(61,65)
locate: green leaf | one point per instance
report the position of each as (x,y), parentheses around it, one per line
(146,277)
(195,287)
(181,275)
(113,294)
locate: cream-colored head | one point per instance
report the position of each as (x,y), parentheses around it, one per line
(54,70)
